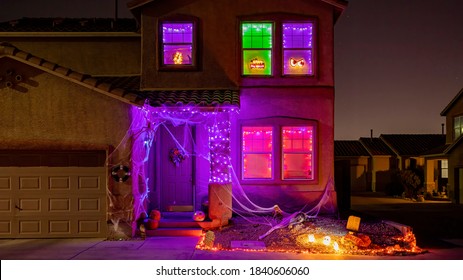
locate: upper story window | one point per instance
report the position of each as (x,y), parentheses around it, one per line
(257,40)
(457,127)
(294,50)
(178,44)
(297,48)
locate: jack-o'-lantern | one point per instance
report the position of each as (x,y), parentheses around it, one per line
(155,215)
(152,224)
(199,216)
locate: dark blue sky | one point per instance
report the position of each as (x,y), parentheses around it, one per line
(398,63)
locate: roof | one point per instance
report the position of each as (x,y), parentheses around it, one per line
(339,6)
(376,147)
(201,98)
(70,25)
(452,103)
(126,88)
(413,144)
(349,148)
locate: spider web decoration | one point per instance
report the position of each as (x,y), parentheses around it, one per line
(134,150)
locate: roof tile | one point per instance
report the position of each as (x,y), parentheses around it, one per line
(413,144)
(70,25)
(349,148)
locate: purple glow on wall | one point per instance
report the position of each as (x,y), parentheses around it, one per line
(297,152)
(257,152)
(177,41)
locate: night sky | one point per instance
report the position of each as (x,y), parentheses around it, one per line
(398,63)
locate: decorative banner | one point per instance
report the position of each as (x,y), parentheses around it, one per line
(257,64)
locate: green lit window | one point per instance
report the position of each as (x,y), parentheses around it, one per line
(257,40)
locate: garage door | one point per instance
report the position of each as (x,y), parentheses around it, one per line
(49,201)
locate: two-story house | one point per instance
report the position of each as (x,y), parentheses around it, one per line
(234,109)
(452,153)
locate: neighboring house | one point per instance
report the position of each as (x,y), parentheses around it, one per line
(352,156)
(392,152)
(227,105)
(453,114)
(381,164)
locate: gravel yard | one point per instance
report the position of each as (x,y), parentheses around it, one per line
(321,235)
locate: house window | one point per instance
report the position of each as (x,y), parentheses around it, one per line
(177,44)
(278,153)
(257,38)
(297,152)
(297,48)
(457,127)
(444,168)
(257,152)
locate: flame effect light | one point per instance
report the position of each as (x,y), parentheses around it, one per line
(311,238)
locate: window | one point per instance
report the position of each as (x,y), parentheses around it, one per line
(278,152)
(178,44)
(257,40)
(257,152)
(457,127)
(297,48)
(297,152)
(444,168)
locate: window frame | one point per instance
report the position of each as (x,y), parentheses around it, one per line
(179,19)
(272,49)
(277,44)
(460,119)
(283,49)
(277,123)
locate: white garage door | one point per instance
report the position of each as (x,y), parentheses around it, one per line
(49,202)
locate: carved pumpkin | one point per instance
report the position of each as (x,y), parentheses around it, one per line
(152,224)
(155,215)
(199,216)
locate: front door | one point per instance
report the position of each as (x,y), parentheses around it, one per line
(176,178)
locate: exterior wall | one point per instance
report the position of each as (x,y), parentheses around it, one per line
(455,183)
(430,174)
(51,113)
(456,110)
(381,169)
(358,174)
(58,114)
(304,103)
(89,55)
(219,43)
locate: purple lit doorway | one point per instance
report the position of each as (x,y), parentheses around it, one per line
(176,175)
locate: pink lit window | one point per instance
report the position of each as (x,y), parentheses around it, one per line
(297,152)
(257,152)
(297,48)
(177,44)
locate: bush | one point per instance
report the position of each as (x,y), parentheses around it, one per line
(412,182)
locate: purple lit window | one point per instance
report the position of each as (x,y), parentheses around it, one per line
(257,152)
(177,43)
(297,48)
(297,152)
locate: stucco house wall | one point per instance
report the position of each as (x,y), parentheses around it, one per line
(219,43)
(94,55)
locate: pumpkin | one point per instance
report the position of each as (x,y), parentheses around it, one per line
(155,215)
(199,216)
(152,224)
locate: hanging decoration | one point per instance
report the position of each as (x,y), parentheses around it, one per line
(176,156)
(120,173)
(257,64)
(297,62)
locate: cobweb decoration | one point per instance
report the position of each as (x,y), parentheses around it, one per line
(134,151)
